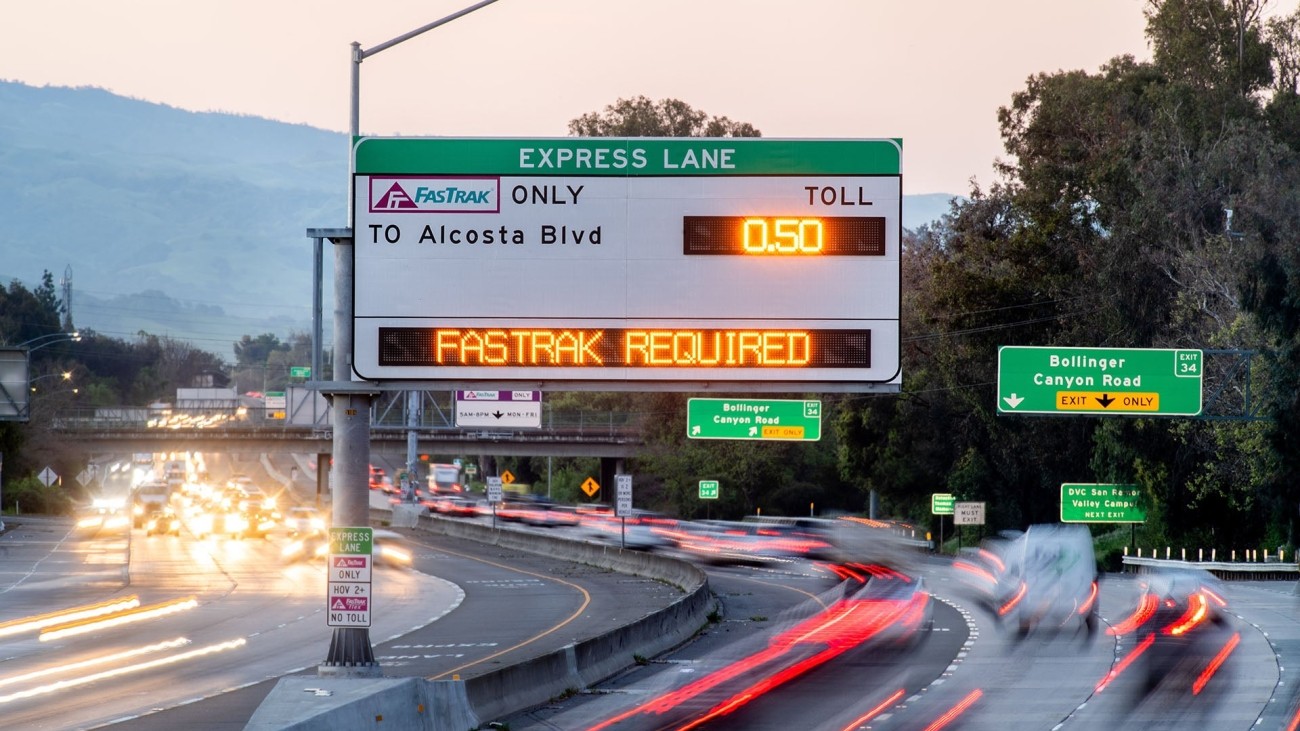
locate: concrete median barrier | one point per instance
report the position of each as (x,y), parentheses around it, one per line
(416,703)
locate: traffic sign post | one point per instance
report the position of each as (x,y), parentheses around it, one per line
(1099,381)
(1101,503)
(968,513)
(623,504)
(623,495)
(710,418)
(494,495)
(941,504)
(349,592)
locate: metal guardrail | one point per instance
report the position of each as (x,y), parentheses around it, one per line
(1240,570)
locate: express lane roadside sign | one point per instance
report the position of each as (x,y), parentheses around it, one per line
(1099,381)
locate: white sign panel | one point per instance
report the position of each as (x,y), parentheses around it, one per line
(348,571)
(509,409)
(494,490)
(968,513)
(624,262)
(623,495)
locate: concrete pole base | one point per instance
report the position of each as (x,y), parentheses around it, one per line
(350,671)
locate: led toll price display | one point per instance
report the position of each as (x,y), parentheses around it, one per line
(623,348)
(783,236)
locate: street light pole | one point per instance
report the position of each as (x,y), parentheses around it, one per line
(350,653)
(51,338)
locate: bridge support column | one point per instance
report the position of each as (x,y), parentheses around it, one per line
(351,654)
(609,467)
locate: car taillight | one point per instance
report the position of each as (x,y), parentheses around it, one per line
(1197,607)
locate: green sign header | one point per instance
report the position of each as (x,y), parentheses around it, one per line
(1100,503)
(626,157)
(1099,381)
(354,541)
(709,418)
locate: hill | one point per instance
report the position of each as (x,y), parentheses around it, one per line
(174,222)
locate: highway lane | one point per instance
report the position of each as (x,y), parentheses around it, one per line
(515,606)
(967,672)
(248,618)
(1036,683)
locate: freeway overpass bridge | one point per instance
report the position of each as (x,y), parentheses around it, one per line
(585,434)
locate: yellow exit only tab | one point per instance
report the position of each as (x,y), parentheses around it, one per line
(1102,401)
(782,432)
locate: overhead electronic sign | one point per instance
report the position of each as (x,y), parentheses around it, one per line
(628,263)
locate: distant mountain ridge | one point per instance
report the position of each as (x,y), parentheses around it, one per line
(174,222)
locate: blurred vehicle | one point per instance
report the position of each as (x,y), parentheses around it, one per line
(164,522)
(379,480)
(982,569)
(446,478)
(1050,580)
(219,523)
(388,548)
(306,546)
(391,549)
(536,510)
(459,506)
(643,530)
(147,499)
(257,508)
(302,520)
(1182,633)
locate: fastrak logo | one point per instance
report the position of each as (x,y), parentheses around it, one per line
(412,194)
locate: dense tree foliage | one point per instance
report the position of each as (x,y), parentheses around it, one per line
(73,377)
(641,117)
(1151,205)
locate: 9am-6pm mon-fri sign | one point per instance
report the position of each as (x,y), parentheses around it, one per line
(1099,381)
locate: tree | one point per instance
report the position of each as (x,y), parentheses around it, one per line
(1109,228)
(641,117)
(252,351)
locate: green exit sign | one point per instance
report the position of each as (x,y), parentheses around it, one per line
(300,371)
(1099,381)
(942,503)
(1100,503)
(716,418)
(709,489)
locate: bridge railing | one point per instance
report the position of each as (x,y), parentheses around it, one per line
(260,421)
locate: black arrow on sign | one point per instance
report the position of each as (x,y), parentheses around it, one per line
(1105,401)
(498,414)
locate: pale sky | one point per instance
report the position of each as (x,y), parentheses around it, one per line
(931,72)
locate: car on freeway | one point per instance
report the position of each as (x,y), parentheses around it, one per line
(1050,581)
(387,549)
(219,523)
(302,519)
(1182,631)
(163,523)
(391,549)
(456,506)
(642,530)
